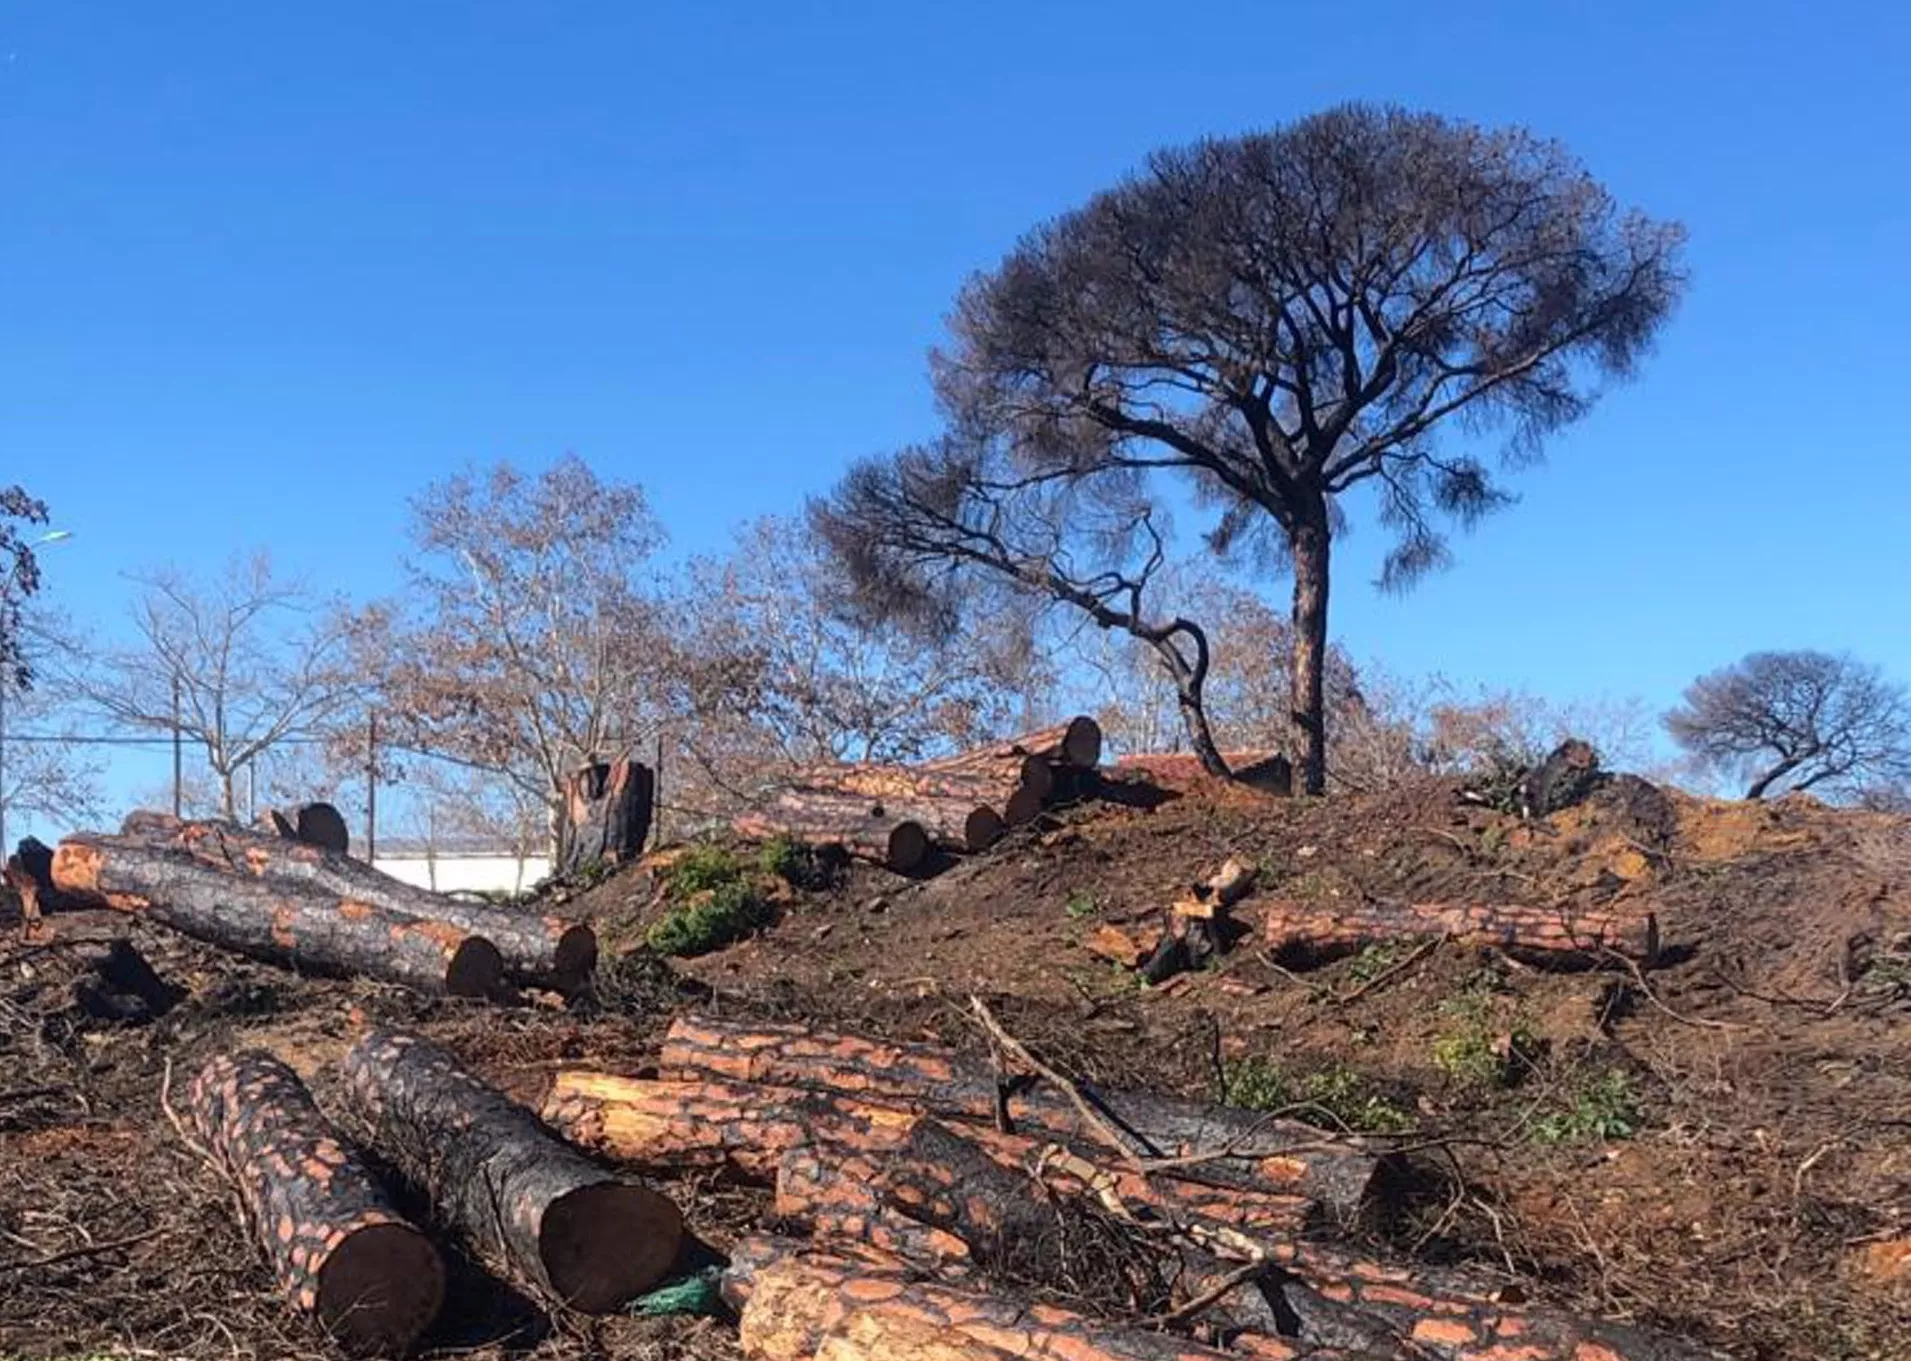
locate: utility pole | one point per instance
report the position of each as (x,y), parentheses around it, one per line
(179,756)
(371,787)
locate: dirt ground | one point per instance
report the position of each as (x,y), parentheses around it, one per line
(1720,1146)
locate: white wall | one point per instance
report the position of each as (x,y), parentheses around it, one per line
(473,873)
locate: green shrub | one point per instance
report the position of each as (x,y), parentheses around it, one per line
(1605,1105)
(710,920)
(796,863)
(1080,905)
(702,868)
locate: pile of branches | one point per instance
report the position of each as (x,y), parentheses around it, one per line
(288,893)
(909,818)
(932,1204)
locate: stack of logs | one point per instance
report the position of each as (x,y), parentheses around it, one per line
(532,1205)
(306,906)
(933,1205)
(901,817)
(1199,924)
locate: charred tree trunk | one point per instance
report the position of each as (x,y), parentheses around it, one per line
(557,1219)
(801,1304)
(280,920)
(1073,744)
(1303,934)
(607,812)
(545,951)
(749,1129)
(337,1247)
(1343,1175)
(1309,545)
(1190,685)
(857,824)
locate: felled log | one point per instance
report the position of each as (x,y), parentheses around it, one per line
(1074,743)
(29,873)
(749,1129)
(962,810)
(834,1192)
(558,1220)
(315,824)
(799,1303)
(608,806)
(1309,933)
(336,1245)
(282,920)
(1198,925)
(1342,1174)
(858,824)
(545,951)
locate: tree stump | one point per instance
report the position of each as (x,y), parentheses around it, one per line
(607,810)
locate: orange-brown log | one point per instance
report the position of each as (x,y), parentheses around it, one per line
(855,823)
(547,951)
(338,1248)
(1304,933)
(1342,1174)
(560,1221)
(1268,771)
(801,1303)
(1074,743)
(280,919)
(907,782)
(748,1129)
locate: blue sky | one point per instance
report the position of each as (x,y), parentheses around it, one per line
(266,270)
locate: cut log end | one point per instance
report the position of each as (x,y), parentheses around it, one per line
(1081,743)
(476,969)
(380,1289)
(575,958)
(908,847)
(1023,806)
(606,1243)
(982,828)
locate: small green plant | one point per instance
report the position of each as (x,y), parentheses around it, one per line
(1337,1090)
(1604,1106)
(701,868)
(1080,905)
(1473,1050)
(795,862)
(1376,959)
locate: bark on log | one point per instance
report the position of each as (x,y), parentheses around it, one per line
(279,919)
(337,1247)
(314,824)
(924,782)
(750,1129)
(607,811)
(801,1304)
(545,951)
(1344,1175)
(1304,933)
(559,1221)
(855,823)
(1267,771)
(1074,743)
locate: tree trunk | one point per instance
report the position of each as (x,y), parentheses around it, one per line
(856,823)
(559,1221)
(281,920)
(751,1130)
(544,951)
(1309,549)
(801,1304)
(1343,1175)
(1075,744)
(1760,786)
(1304,933)
(1190,685)
(336,1245)
(607,812)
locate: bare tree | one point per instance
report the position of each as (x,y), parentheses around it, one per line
(19,579)
(1797,720)
(49,771)
(780,669)
(1288,316)
(922,532)
(531,640)
(240,665)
